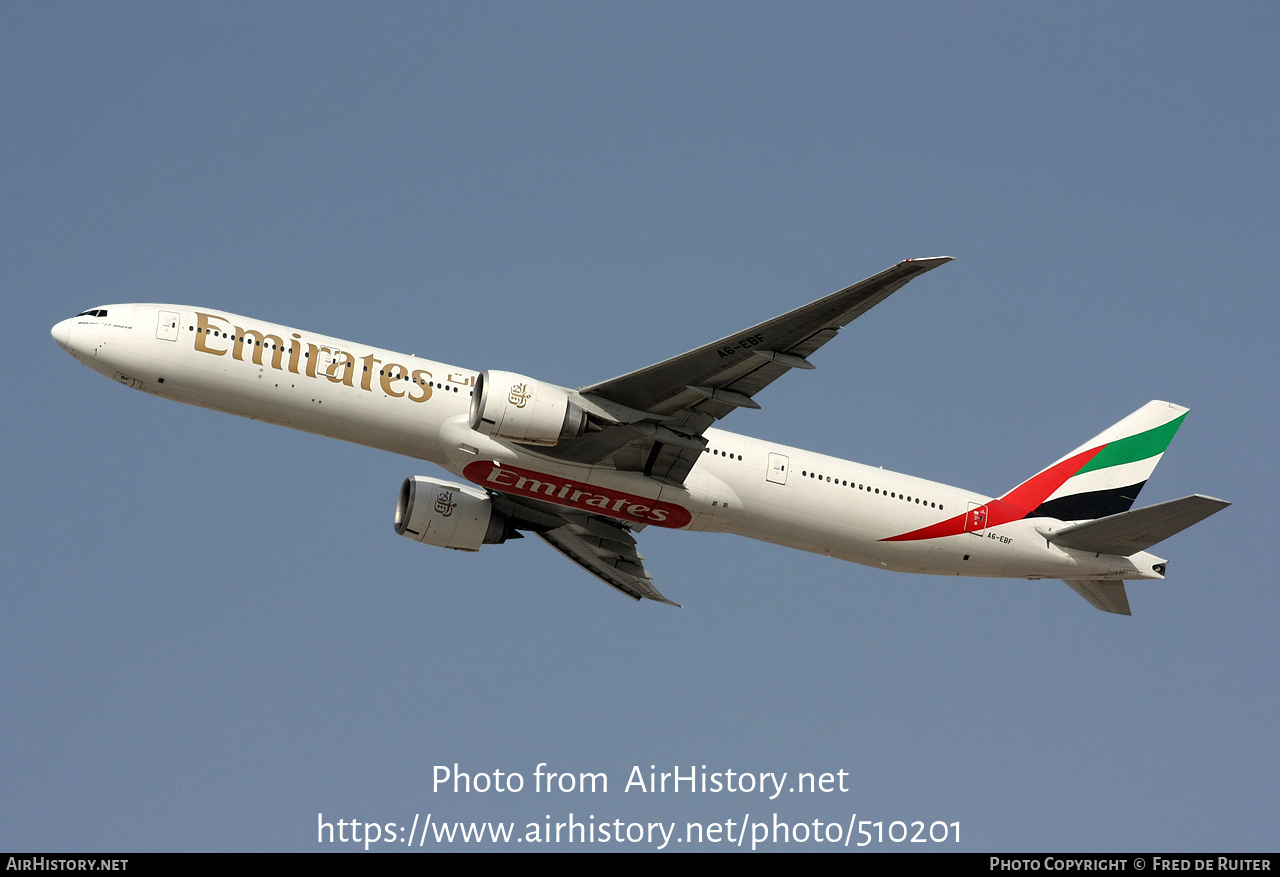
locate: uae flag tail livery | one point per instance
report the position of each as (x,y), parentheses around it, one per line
(1104,475)
(1084,502)
(1100,478)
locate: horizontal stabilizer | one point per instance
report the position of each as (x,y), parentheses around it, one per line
(1107,596)
(1137,530)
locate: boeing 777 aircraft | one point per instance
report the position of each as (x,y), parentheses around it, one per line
(587,469)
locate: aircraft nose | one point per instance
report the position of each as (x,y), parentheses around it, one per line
(62,333)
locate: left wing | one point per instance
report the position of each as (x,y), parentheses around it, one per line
(602,546)
(660,412)
(607,550)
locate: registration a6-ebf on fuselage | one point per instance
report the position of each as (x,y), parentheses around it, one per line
(587,469)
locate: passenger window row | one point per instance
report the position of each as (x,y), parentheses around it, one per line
(869,489)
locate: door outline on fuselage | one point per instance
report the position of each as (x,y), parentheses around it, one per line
(975,520)
(777,469)
(167,323)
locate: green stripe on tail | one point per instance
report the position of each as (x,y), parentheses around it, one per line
(1135,447)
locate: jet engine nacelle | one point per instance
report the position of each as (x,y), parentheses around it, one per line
(448,515)
(520,409)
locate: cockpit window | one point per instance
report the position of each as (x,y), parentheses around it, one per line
(100,312)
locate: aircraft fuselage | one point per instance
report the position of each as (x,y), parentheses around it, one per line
(419,408)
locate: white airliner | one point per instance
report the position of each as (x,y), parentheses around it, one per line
(586,469)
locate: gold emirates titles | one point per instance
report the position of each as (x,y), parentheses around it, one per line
(341,370)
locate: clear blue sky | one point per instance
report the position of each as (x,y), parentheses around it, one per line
(211,632)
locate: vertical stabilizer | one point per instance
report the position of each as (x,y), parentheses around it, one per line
(1104,475)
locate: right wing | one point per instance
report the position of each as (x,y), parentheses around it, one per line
(660,412)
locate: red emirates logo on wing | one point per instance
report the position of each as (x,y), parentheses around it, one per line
(576,494)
